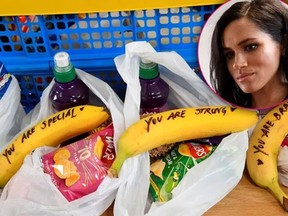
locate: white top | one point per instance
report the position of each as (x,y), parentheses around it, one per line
(62,59)
(145,61)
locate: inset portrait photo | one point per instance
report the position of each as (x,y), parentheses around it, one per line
(243,52)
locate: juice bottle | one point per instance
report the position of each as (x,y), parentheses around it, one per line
(154,90)
(68,90)
(5,79)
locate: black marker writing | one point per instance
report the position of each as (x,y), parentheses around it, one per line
(153,121)
(266,128)
(27,134)
(258,149)
(176,114)
(8,152)
(61,116)
(211,111)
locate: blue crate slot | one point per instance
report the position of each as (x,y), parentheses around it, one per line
(93,40)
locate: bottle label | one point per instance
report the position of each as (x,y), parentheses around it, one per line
(146,111)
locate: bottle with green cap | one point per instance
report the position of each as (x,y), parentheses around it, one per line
(154,90)
(68,90)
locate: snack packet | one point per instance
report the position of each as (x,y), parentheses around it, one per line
(166,173)
(79,168)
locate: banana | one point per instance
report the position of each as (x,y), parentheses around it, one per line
(51,131)
(178,125)
(264,145)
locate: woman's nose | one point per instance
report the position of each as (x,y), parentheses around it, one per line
(239,61)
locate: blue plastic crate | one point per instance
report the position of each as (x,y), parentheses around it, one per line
(28,43)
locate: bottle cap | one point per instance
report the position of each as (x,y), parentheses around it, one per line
(146,61)
(148,69)
(64,71)
(61,59)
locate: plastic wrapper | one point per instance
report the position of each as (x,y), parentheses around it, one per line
(79,168)
(166,173)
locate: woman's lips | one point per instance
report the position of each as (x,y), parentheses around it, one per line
(244,77)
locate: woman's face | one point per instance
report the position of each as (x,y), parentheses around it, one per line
(252,56)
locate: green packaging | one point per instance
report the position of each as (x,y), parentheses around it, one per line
(166,173)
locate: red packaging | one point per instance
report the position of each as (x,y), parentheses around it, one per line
(79,168)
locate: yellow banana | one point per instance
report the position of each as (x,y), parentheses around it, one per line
(51,131)
(264,145)
(179,125)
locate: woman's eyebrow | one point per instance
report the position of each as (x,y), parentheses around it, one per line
(226,49)
(245,41)
(240,43)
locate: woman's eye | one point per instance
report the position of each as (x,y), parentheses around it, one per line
(251,47)
(229,55)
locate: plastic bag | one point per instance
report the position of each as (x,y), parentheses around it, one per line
(32,192)
(220,173)
(11,112)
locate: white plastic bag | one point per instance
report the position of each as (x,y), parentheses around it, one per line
(205,184)
(31,192)
(283,165)
(11,112)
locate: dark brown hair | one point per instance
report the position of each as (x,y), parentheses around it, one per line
(271,17)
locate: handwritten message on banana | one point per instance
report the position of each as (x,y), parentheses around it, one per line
(32,132)
(267,127)
(182,113)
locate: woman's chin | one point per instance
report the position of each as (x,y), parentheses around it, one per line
(248,89)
